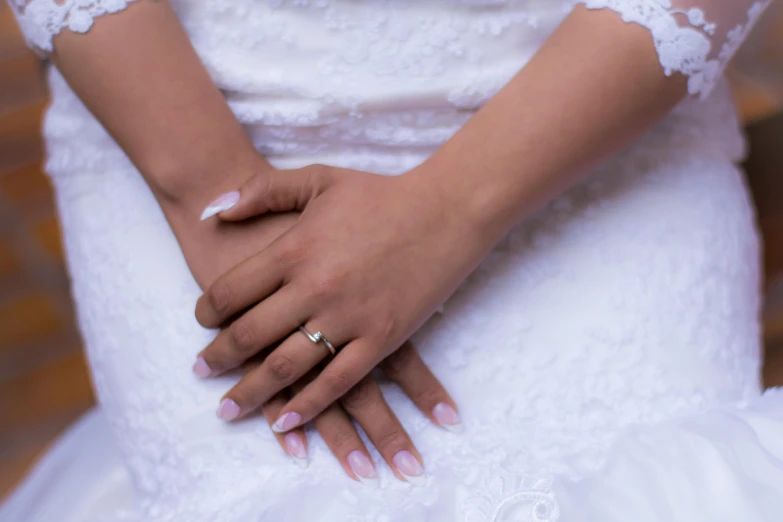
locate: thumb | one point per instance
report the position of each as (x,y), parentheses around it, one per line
(275,191)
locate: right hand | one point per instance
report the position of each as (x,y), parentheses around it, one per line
(211,248)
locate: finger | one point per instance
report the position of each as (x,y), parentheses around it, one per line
(248,283)
(266,323)
(366,404)
(340,375)
(340,435)
(294,443)
(407,370)
(288,363)
(277,191)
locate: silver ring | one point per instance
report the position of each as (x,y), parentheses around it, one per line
(318,337)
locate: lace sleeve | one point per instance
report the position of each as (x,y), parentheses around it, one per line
(42,20)
(694,37)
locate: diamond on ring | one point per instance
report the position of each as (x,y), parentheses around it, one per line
(318,337)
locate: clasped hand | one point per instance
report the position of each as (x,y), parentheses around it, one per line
(367,262)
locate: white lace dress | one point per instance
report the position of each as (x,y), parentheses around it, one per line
(605,356)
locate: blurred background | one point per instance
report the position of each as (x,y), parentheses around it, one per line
(44,382)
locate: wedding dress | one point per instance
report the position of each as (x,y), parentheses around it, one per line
(605,356)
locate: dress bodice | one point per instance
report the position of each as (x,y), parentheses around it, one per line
(602,312)
(389,78)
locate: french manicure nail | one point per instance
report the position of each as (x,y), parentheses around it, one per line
(201,368)
(410,468)
(447,417)
(363,469)
(223,202)
(228,410)
(286,422)
(296,448)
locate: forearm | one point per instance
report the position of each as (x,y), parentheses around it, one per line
(139,75)
(592,89)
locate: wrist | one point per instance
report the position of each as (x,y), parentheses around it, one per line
(184,188)
(475,204)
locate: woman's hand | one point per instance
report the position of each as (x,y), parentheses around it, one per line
(365,404)
(211,248)
(368,261)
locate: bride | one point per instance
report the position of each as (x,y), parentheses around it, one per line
(563,236)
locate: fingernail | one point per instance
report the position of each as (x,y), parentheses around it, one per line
(223,202)
(410,468)
(363,469)
(201,368)
(447,417)
(228,410)
(296,448)
(286,422)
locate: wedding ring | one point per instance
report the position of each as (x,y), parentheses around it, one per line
(318,337)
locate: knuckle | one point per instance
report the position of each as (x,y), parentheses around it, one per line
(392,440)
(318,171)
(360,397)
(398,363)
(340,438)
(428,397)
(259,185)
(385,326)
(251,392)
(338,382)
(309,406)
(292,250)
(323,287)
(219,298)
(243,337)
(281,367)
(243,396)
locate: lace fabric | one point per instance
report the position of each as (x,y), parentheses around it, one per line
(661,319)
(42,20)
(694,37)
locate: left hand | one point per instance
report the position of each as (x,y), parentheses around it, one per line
(368,261)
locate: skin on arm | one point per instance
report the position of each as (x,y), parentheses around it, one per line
(138,73)
(592,89)
(391,249)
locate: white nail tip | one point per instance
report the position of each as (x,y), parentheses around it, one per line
(224,202)
(453,428)
(419,480)
(373,482)
(302,463)
(213,210)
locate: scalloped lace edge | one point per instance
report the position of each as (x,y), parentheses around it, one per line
(685,49)
(42,20)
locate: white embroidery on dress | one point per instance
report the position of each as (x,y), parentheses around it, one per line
(42,20)
(386,89)
(691,49)
(505,497)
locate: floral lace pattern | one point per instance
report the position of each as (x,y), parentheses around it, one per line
(500,347)
(700,48)
(693,49)
(41,20)
(389,82)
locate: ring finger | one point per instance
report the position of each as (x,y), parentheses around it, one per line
(284,366)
